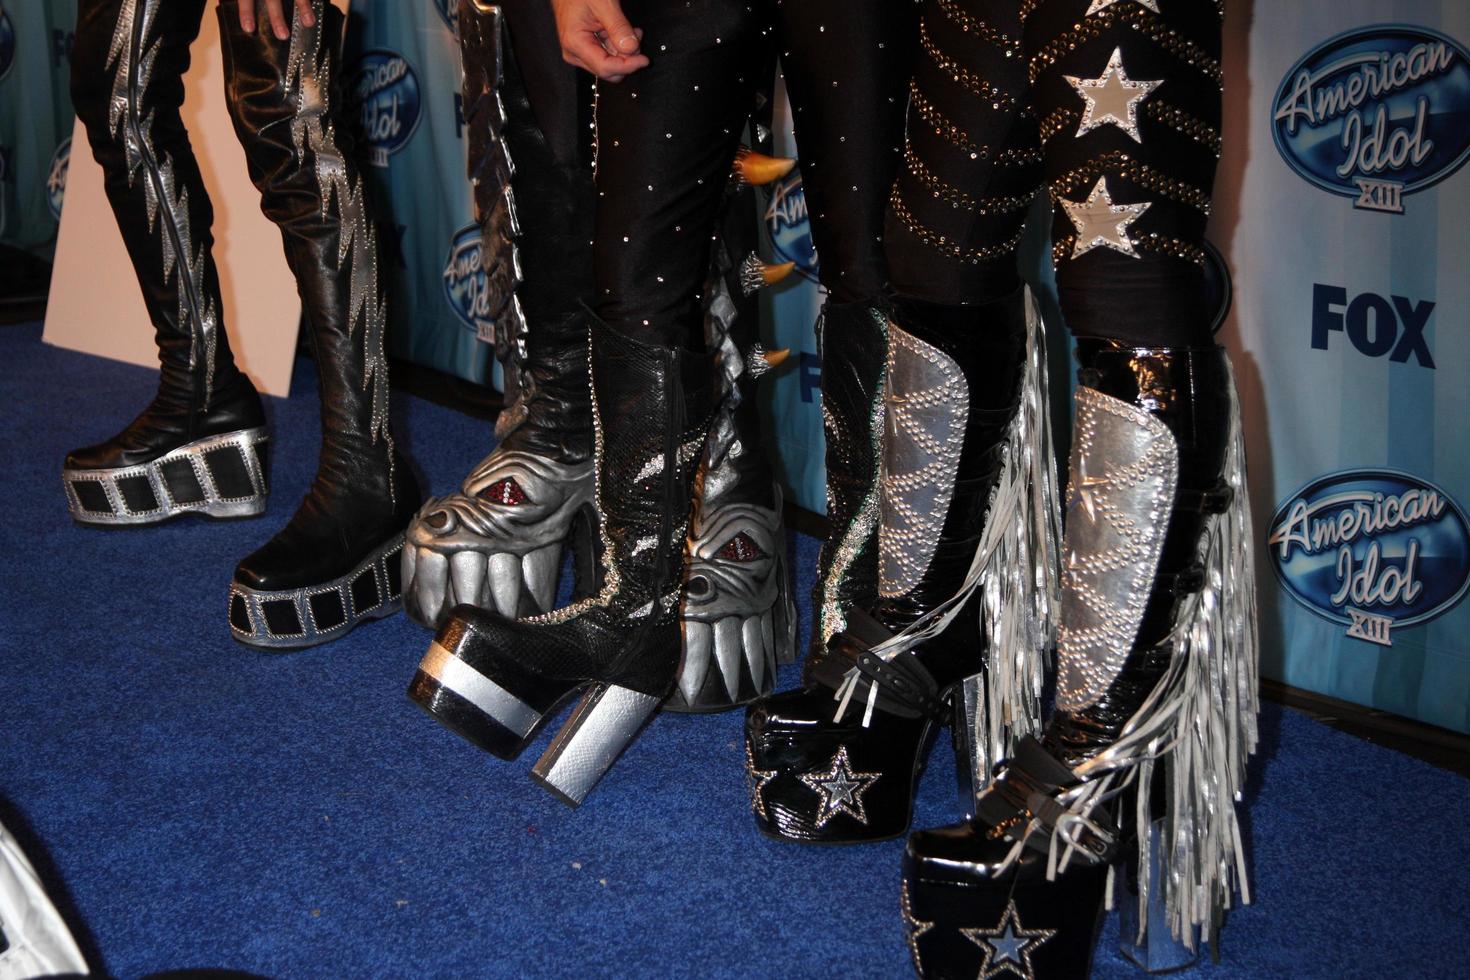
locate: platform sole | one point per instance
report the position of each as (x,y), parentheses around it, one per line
(502,712)
(221,476)
(292,619)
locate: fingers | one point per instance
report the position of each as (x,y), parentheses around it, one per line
(277,16)
(584,50)
(305,13)
(621,38)
(247,16)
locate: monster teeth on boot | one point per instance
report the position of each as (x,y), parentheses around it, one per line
(755,650)
(699,640)
(467,574)
(431,584)
(728,654)
(768,635)
(505,584)
(541,569)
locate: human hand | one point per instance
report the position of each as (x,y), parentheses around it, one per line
(596,36)
(276,13)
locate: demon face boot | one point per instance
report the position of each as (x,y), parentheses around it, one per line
(336,563)
(739,619)
(966,491)
(1156,664)
(498,542)
(199,447)
(496,681)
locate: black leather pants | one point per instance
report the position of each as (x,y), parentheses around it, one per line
(1000,103)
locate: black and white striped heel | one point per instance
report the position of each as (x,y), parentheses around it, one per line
(491,700)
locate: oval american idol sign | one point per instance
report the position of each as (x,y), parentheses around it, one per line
(383,90)
(1377,114)
(464,282)
(1374,550)
(789,227)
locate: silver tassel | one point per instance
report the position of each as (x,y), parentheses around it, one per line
(1016,571)
(1201,722)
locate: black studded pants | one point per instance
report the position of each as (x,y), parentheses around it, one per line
(1114,105)
(667,135)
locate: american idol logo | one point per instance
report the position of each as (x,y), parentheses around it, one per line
(1375,550)
(449,10)
(7,43)
(1376,114)
(464,282)
(56,178)
(384,94)
(789,227)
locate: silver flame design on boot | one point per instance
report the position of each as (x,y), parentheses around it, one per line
(164,198)
(34,939)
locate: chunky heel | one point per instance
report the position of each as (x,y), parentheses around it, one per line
(483,698)
(603,724)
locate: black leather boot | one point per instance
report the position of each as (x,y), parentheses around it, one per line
(838,760)
(336,563)
(496,681)
(1156,662)
(498,542)
(739,619)
(199,447)
(854,352)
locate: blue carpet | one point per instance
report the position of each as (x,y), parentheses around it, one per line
(194,804)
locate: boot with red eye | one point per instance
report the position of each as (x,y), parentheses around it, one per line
(837,761)
(498,542)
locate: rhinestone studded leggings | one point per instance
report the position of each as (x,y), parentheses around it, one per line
(1112,104)
(666,137)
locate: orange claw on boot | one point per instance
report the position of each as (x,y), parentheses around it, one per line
(761,360)
(753,169)
(755,274)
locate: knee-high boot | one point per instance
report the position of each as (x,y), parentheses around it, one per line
(498,542)
(1156,664)
(199,447)
(336,562)
(963,448)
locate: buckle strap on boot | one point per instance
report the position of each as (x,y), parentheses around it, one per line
(903,686)
(1023,803)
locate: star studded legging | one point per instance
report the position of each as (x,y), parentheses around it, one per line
(666,137)
(1114,105)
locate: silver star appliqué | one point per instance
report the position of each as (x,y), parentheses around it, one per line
(1112,99)
(913,928)
(757,778)
(1008,947)
(841,789)
(1102,224)
(1105,4)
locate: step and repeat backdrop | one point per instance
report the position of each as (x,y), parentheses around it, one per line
(35,120)
(1341,210)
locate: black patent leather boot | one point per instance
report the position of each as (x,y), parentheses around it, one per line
(336,562)
(199,446)
(496,681)
(1155,663)
(854,353)
(838,760)
(498,542)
